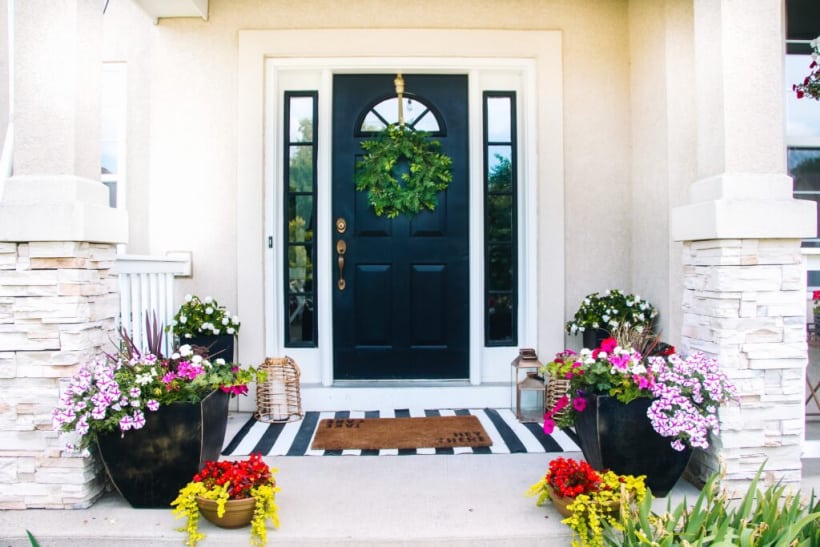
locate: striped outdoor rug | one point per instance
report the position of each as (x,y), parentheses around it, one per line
(295,438)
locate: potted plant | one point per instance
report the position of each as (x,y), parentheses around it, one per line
(131,405)
(810,87)
(203,322)
(815,308)
(599,315)
(586,498)
(644,415)
(230,494)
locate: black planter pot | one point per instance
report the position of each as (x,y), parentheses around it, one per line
(149,466)
(620,437)
(593,337)
(218,346)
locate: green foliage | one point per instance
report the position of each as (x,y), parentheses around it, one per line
(427,172)
(763,518)
(203,317)
(611,310)
(32,539)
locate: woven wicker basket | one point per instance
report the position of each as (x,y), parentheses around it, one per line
(278,399)
(556,388)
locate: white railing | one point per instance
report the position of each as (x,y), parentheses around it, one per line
(147,288)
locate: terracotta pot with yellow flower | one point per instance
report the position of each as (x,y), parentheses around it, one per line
(587,498)
(230,494)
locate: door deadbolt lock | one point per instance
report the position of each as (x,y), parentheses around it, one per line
(341,225)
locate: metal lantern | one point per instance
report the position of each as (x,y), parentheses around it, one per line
(278,399)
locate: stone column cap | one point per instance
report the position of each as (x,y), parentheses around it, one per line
(59,208)
(743,205)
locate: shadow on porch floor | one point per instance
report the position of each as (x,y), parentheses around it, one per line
(474,500)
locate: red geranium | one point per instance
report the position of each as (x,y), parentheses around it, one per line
(240,476)
(569,478)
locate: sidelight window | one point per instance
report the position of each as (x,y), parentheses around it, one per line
(301,110)
(500,230)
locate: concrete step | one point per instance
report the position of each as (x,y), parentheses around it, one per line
(346,500)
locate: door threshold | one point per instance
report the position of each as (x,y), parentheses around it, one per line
(400,383)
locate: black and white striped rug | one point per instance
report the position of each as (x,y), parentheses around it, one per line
(509,436)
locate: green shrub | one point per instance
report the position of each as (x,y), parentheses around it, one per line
(769,517)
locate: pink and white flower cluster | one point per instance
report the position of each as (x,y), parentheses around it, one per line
(687,395)
(686,392)
(114,394)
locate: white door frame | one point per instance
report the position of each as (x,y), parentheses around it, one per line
(269,64)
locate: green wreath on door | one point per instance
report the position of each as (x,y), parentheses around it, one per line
(429,172)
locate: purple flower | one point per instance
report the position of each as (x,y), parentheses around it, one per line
(152,405)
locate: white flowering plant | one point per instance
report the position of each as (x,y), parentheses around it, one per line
(613,309)
(810,86)
(686,392)
(197,317)
(114,392)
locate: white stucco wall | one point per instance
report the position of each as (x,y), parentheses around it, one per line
(181,151)
(663,148)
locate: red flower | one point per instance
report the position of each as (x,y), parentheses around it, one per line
(569,477)
(240,476)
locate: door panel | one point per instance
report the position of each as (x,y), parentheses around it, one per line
(403,312)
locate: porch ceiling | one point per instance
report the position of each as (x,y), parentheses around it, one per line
(174,8)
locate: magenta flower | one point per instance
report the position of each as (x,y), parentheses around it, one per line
(549,425)
(579,404)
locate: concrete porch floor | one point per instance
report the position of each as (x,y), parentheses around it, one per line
(474,500)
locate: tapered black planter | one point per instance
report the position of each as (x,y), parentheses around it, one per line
(620,437)
(593,337)
(149,466)
(218,346)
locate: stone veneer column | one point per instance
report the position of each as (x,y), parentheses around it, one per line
(58,306)
(58,298)
(744,303)
(744,277)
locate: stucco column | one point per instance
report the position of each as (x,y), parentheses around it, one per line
(58,295)
(744,279)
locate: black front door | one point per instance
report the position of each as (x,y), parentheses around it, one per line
(402,312)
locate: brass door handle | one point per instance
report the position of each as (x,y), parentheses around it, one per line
(341,248)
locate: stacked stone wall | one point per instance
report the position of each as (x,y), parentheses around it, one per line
(58,310)
(745,304)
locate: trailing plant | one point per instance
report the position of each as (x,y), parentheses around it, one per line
(594,496)
(686,392)
(768,517)
(428,172)
(230,480)
(197,317)
(114,392)
(810,86)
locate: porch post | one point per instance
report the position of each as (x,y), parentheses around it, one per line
(744,298)
(58,295)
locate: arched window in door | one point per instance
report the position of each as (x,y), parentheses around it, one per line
(418,115)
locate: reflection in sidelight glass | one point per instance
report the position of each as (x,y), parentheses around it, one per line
(500,236)
(300,214)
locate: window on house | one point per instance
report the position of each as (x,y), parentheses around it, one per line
(802,115)
(500,230)
(301,111)
(417,115)
(112,132)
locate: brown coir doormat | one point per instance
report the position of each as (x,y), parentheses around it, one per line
(378,433)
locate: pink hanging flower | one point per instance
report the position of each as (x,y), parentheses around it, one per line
(579,404)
